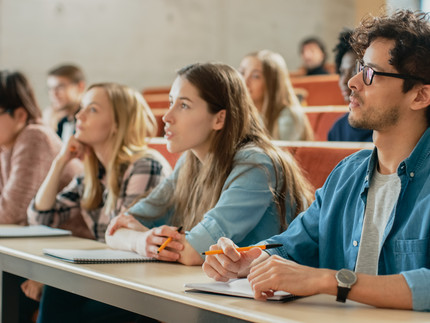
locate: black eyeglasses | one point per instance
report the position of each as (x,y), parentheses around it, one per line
(369,73)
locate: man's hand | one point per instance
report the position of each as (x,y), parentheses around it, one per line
(232,263)
(279,274)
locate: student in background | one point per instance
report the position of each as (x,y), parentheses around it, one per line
(231,180)
(366,236)
(266,77)
(66,84)
(27,149)
(345,65)
(111,136)
(313,54)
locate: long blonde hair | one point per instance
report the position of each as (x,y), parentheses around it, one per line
(279,93)
(134,123)
(199,186)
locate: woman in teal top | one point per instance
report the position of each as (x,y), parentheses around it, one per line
(231,180)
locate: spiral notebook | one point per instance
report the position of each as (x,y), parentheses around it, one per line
(96,256)
(235,287)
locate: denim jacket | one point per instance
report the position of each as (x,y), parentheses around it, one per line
(245,212)
(328,234)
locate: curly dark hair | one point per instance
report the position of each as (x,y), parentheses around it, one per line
(411,33)
(342,47)
(411,53)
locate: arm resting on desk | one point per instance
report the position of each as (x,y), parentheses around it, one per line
(277,273)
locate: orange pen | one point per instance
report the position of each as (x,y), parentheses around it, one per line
(169,239)
(263,246)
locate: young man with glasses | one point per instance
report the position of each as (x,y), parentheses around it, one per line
(367,235)
(66,84)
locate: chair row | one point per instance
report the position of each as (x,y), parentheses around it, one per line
(320,118)
(316,159)
(316,90)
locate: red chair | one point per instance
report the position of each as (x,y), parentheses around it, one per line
(318,159)
(323,118)
(158,114)
(321,89)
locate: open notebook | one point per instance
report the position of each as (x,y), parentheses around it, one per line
(96,256)
(32,231)
(235,287)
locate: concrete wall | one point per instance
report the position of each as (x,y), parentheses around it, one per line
(142,42)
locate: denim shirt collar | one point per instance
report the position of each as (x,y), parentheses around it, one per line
(412,164)
(409,166)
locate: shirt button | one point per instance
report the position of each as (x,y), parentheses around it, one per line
(411,174)
(355,243)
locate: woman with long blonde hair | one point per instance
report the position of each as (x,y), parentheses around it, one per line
(231,180)
(111,137)
(268,82)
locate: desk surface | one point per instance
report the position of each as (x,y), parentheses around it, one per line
(157,288)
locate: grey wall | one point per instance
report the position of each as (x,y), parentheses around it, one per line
(141,42)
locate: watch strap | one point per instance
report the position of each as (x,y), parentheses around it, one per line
(342,293)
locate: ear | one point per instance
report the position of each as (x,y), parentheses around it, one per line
(81,86)
(422,98)
(20,115)
(219,120)
(114,130)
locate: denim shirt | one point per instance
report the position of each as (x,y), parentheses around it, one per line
(245,212)
(328,234)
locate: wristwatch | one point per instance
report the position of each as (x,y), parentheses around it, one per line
(345,279)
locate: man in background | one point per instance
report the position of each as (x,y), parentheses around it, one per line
(345,65)
(66,84)
(314,56)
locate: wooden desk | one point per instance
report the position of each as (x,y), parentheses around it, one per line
(156,290)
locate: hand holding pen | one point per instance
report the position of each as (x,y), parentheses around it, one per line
(169,239)
(225,260)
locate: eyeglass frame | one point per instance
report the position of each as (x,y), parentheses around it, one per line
(359,67)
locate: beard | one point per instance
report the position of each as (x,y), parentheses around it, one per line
(373,118)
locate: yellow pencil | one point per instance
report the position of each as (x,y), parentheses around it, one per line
(264,246)
(164,245)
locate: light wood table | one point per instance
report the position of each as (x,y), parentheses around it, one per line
(156,290)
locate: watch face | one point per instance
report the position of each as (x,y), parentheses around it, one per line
(346,276)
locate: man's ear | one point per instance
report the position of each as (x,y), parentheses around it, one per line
(219,120)
(422,98)
(81,86)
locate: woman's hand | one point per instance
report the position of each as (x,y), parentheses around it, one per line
(73,149)
(148,242)
(126,221)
